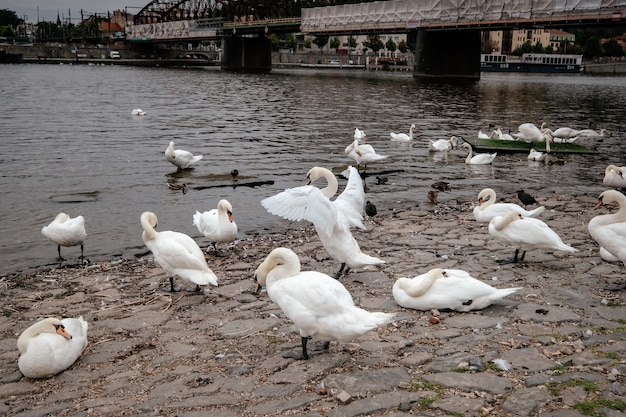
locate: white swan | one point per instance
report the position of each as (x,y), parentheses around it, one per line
(614,176)
(181,158)
(66,231)
(487,208)
(498,134)
(217,225)
(590,133)
(609,230)
(363,154)
(482,135)
(316,303)
(359,134)
(331,223)
(177,253)
(138,112)
(452,289)
(478,159)
(403,137)
(529,133)
(535,155)
(442,145)
(526,233)
(51,346)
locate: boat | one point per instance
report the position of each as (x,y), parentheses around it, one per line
(10,58)
(520,146)
(531,62)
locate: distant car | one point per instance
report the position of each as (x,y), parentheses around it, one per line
(334,62)
(114,55)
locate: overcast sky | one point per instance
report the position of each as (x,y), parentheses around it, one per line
(48,8)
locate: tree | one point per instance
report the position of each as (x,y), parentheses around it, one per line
(291,42)
(402,46)
(374,43)
(391,45)
(612,48)
(307,43)
(352,41)
(524,49)
(9,18)
(335,43)
(320,41)
(592,47)
(275,42)
(538,48)
(7,31)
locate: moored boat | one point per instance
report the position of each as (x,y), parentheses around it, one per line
(531,62)
(515,146)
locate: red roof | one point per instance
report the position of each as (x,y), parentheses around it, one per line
(110,27)
(558,32)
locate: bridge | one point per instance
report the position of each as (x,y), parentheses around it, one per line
(448,31)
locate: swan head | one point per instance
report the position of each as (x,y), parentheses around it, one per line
(61,218)
(48,325)
(225,206)
(280,263)
(609,196)
(615,169)
(485,195)
(314,174)
(467,146)
(453,141)
(436,273)
(148,218)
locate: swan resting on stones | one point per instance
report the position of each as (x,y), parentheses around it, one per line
(318,304)
(609,230)
(486,207)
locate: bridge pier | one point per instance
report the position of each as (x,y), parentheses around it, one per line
(447,55)
(247,54)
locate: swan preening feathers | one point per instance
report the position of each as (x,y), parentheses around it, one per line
(50,346)
(217,224)
(526,233)
(442,145)
(609,230)
(317,304)
(486,207)
(451,289)
(66,231)
(181,158)
(332,219)
(614,176)
(177,253)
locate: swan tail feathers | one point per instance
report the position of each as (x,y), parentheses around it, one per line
(536,212)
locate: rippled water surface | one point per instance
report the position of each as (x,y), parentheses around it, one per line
(69,143)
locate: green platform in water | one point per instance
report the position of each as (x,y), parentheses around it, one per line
(514,146)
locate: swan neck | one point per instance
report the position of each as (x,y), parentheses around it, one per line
(417,288)
(148,231)
(331,184)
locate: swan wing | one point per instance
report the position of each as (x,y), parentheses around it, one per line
(351,201)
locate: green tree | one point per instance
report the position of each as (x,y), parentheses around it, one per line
(524,49)
(291,42)
(374,43)
(352,41)
(402,46)
(320,41)
(9,18)
(274,40)
(538,48)
(335,43)
(7,31)
(391,45)
(612,48)
(307,43)
(592,47)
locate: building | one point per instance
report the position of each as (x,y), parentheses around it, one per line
(507,41)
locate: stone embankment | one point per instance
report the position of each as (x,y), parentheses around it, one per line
(220,352)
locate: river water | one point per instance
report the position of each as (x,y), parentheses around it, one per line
(70,143)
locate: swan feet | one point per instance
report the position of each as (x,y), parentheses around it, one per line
(515,258)
(172,289)
(341,271)
(315,347)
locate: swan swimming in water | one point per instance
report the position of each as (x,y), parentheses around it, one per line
(451,289)
(526,233)
(487,208)
(403,137)
(363,154)
(177,253)
(614,176)
(332,220)
(442,145)
(51,346)
(138,112)
(609,230)
(66,231)
(317,304)
(478,159)
(217,224)
(181,158)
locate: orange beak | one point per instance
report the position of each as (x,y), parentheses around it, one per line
(598,205)
(61,330)
(230,216)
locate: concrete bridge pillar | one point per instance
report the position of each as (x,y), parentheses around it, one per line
(246,54)
(447,55)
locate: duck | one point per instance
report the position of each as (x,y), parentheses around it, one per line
(332,220)
(176,253)
(138,112)
(50,346)
(403,137)
(486,207)
(432,196)
(441,185)
(177,187)
(363,154)
(614,176)
(526,233)
(317,304)
(442,145)
(66,231)
(181,158)
(451,289)
(217,224)
(609,230)
(478,159)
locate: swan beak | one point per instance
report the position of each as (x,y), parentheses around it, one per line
(480,201)
(61,330)
(230,216)
(257,286)
(599,204)
(308,180)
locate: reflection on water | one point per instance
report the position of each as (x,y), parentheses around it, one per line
(71,144)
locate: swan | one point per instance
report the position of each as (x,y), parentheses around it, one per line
(66,231)
(482,135)
(478,159)
(497,134)
(176,252)
(526,233)
(529,133)
(138,112)
(403,137)
(332,223)
(363,154)
(359,134)
(51,346)
(317,304)
(451,289)
(614,176)
(590,133)
(609,230)
(182,159)
(217,224)
(535,155)
(442,145)
(487,208)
